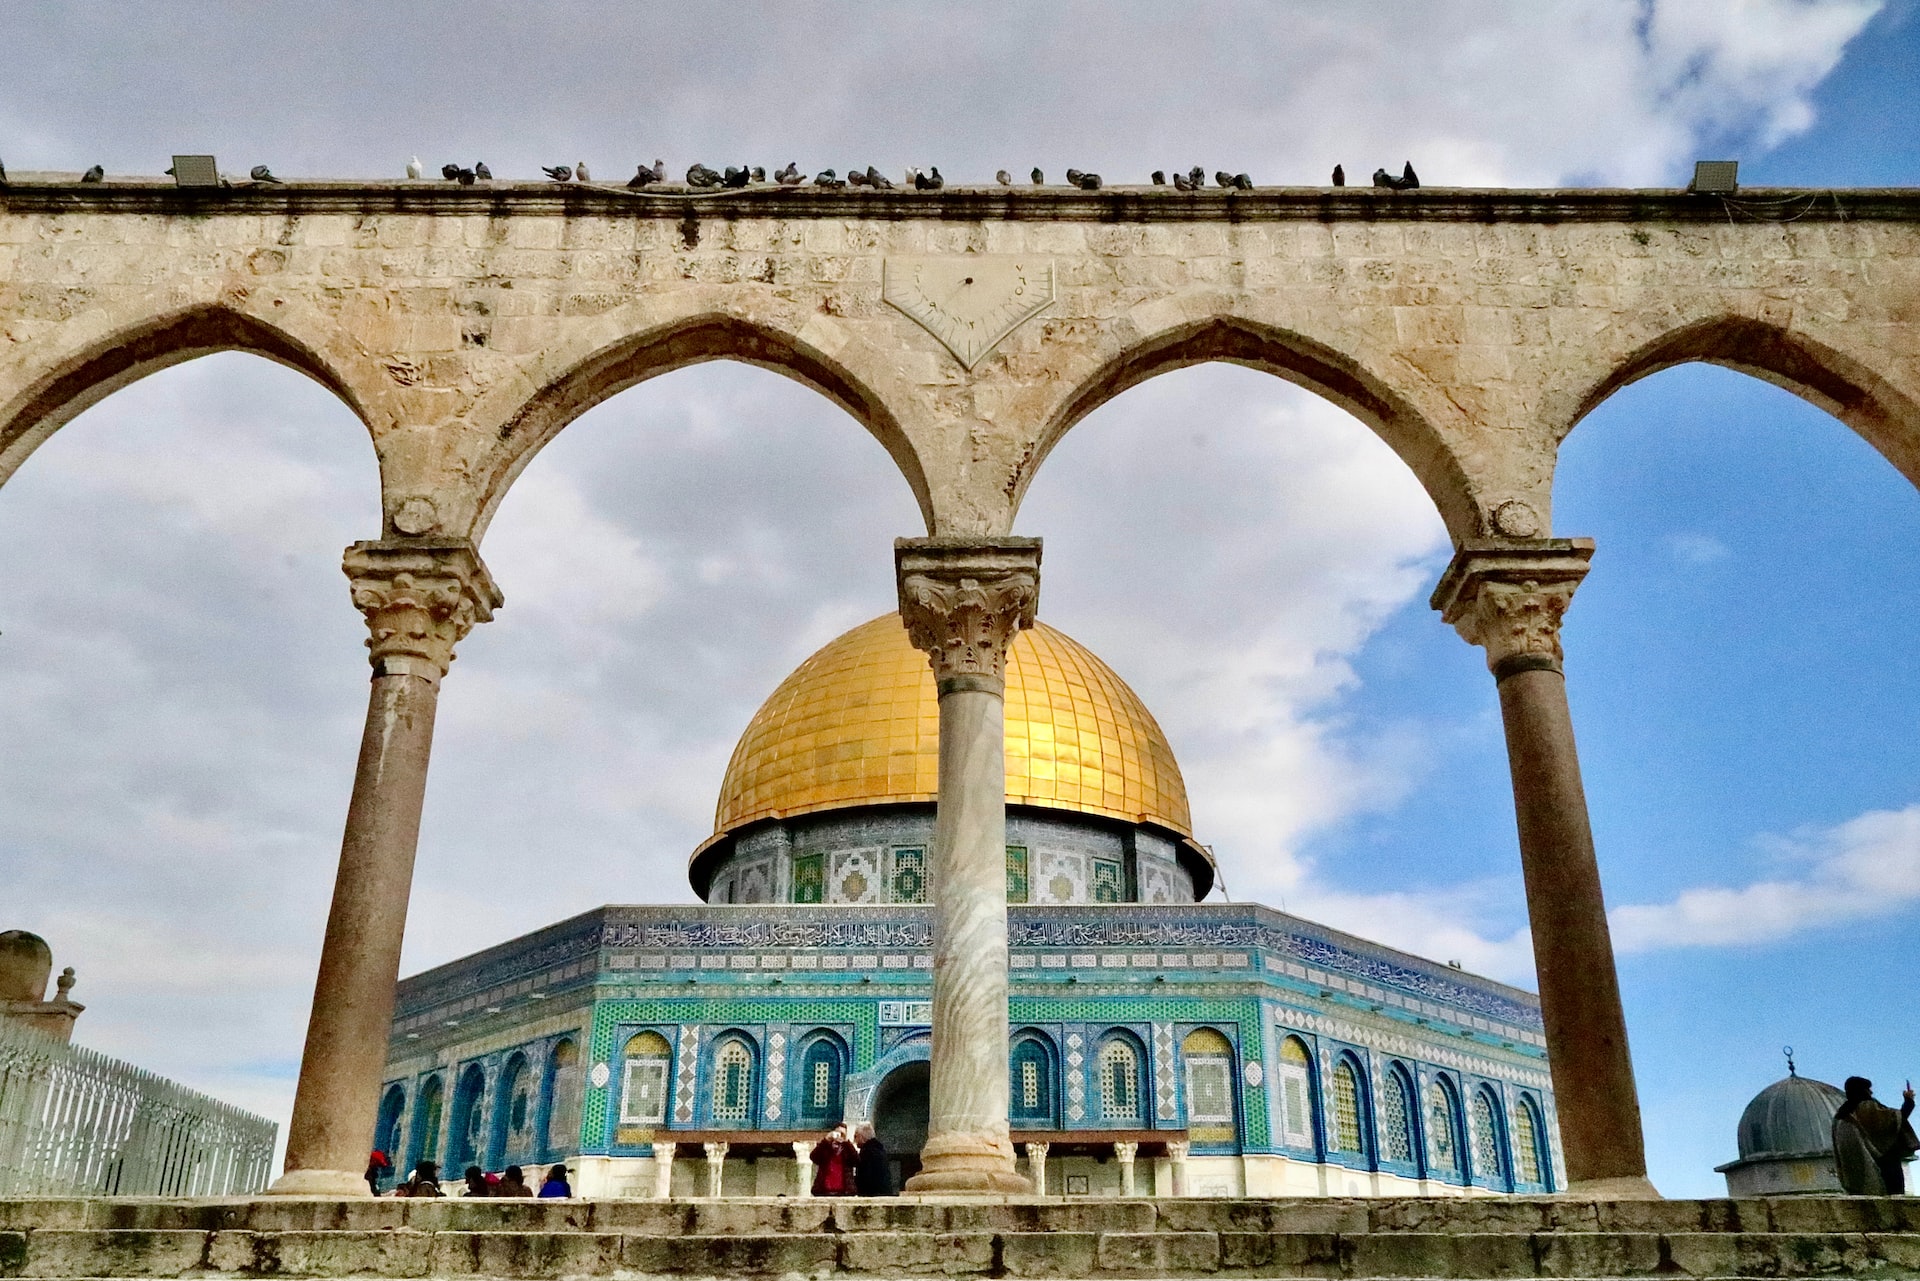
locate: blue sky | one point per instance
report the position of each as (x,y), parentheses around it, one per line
(185,679)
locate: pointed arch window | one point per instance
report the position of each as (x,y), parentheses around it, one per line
(1295,1086)
(732,1083)
(1396,1118)
(1528,1165)
(645,1080)
(821,1068)
(566,1084)
(1210,1111)
(1031,1082)
(1489,1148)
(1119,1071)
(1347,1135)
(1443,1131)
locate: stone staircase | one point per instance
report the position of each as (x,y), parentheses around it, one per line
(1492,1238)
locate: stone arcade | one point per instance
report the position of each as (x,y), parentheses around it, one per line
(968,330)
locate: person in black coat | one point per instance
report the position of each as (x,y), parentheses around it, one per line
(872,1176)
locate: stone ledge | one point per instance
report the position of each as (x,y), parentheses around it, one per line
(59,193)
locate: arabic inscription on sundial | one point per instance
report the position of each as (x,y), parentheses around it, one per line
(970,302)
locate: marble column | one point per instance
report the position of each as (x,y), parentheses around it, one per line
(1124,1153)
(803,1167)
(1509,597)
(663,1154)
(716,1168)
(420,597)
(962,601)
(1037,1166)
(1177,1157)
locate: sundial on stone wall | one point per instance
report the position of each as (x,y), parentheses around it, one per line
(969,303)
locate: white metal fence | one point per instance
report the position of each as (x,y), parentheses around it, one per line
(73,1121)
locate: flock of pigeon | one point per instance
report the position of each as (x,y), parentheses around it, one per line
(701,178)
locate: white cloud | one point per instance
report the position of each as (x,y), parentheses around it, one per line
(1866,867)
(1697,549)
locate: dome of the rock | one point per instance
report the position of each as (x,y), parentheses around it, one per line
(858,725)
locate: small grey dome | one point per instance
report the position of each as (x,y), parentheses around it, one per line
(1792,1116)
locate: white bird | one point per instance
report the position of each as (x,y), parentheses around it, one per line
(580,172)
(413,168)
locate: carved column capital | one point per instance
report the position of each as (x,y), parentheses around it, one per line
(1508,597)
(962,600)
(421,597)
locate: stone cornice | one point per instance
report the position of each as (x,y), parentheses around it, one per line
(421,598)
(1509,596)
(964,599)
(1126,204)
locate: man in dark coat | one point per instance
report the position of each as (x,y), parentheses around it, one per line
(872,1176)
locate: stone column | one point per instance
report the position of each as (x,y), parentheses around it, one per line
(420,598)
(1124,1154)
(1508,597)
(962,601)
(1177,1154)
(1037,1167)
(663,1154)
(803,1167)
(716,1166)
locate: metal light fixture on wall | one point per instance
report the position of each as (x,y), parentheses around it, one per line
(195,171)
(1715,177)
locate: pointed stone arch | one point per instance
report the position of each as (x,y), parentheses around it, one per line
(631,360)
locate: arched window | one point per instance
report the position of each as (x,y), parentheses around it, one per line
(1031,1082)
(732,1098)
(1347,1131)
(1443,1131)
(386,1130)
(469,1120)
(1210,1111)
(1489,1145)
(822,1066)
(644,1079)
(566,1082)
(1529,1165)
(513,1115)
(1294,1082)
(1118,1065)
(1396,1117)
(426,1122)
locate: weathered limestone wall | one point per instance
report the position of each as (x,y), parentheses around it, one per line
(467,326)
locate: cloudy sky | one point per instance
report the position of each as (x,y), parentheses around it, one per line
(183,678)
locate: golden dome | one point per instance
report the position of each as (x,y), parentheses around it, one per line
(859,724)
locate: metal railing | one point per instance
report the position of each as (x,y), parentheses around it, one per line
(76,1122)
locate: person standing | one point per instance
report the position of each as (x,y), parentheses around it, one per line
(1871,1142)
(832,1164)
(377,1168)
(556,1184)
(872,1175)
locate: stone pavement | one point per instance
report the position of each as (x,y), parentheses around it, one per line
(1508,1237)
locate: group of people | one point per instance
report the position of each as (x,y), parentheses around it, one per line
(511,1182)
(1872,1142)
(851,1163)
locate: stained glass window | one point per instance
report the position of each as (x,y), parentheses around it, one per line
(1119,1080)
(1346,1109)
(809,878)
(732,1083)
(1296,1094)
(1488,1164)
(1016,873)
(909,881)
(1396,1115)
(1526,1144)
(1109,881)
(1443,1143)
